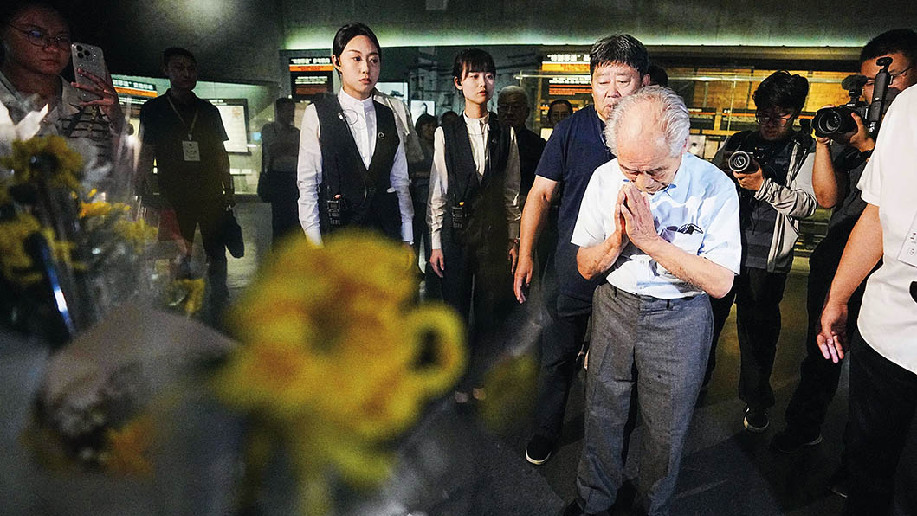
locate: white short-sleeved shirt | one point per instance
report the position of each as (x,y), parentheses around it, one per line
(888,318)
(698,212)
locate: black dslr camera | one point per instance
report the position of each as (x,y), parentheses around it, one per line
(832,122)
(742,161)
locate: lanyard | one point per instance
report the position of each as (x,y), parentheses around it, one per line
(193,120)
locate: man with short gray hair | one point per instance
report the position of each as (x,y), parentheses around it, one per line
(662,226)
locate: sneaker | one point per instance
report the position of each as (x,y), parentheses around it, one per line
(788,441)
(756,420)
(539,450)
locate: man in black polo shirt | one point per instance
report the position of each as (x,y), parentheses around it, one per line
(185,136)
(576,148)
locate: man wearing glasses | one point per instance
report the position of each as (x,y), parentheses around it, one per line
(774,193)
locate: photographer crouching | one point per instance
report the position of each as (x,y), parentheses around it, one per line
(775,191)
(839,160)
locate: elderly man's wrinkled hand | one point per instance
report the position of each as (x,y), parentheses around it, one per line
(638,219)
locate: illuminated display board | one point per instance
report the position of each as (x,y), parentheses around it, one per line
(234,113)
(310,77)
(136,89)
(565,63)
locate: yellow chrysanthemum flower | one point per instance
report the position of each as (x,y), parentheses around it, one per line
(137,233)
(94,209)
(189,293)
(15,262)
(68,162)
(336,356)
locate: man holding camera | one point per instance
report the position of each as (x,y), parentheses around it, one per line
(839,161)
(775,191)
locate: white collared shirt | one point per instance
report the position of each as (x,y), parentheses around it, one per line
(698,212)
(478,133)
(361,119)
(888,317)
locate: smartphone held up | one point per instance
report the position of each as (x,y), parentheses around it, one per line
(90,59)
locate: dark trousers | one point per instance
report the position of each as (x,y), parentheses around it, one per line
(478,284)
(818,378)
(206,213)
(561,341)
(420,191)
(757,295)
(883,399)
(284,200)
(659,348)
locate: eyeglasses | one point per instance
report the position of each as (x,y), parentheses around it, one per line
(892,76)
(764,118)
(38,38)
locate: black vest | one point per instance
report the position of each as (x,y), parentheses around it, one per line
(483,197)
(364,193)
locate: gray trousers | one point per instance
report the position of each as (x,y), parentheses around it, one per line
(659,347)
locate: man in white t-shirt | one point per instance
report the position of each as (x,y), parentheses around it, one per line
(663,227)
(883,366)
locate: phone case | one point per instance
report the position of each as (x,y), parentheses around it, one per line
(89,58)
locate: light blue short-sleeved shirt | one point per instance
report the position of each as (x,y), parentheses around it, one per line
(698,212)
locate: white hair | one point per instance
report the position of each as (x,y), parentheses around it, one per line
(675,123)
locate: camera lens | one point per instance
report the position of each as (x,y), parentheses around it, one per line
(740,161)
(833,121)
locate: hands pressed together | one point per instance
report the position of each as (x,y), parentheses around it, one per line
(632,213)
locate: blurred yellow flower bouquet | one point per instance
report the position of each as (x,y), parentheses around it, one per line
(337,360)
(68,256)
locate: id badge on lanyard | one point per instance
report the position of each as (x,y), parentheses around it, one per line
(191,150)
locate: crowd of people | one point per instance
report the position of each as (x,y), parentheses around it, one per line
(640,248)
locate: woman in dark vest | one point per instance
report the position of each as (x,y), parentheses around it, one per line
(352,171)
(473,211)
